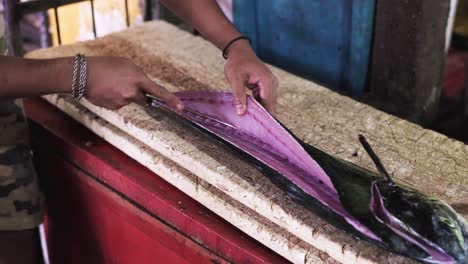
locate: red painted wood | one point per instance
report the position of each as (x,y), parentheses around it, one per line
(454,74)
(69,139)
(99,226)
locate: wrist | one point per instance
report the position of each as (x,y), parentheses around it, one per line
(239,48)
(80,76)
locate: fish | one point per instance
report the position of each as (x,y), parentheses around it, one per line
(367,205)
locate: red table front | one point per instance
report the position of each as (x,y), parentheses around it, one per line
(104,207)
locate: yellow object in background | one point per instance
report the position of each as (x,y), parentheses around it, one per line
(461,20)
(76,22)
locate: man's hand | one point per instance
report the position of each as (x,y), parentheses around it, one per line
(245,69)
(112,82)
(115,82)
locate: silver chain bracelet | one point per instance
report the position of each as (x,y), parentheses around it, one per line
(80,73)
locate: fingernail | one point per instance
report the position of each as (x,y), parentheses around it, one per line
(240,109)
(179,107)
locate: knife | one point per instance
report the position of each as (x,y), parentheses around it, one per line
(156,103)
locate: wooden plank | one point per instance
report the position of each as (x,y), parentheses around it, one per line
(237,179)
(240,216)
(433,163)
(53,131)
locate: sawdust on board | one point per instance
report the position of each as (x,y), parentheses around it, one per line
(114,45)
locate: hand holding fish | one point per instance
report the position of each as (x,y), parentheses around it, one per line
(115,82)
(112,82)
(245,69)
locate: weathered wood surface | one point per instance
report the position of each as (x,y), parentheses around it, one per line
(429,161)
(247,220)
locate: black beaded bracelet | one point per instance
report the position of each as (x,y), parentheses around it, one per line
(231,42)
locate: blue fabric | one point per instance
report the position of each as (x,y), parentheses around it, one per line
(327,41)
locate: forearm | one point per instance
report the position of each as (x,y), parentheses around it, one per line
(28,77)
(243,68)
(207,18)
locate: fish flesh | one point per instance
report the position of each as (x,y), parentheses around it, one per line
(368,205)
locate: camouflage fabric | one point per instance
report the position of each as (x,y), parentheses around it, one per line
(21,203)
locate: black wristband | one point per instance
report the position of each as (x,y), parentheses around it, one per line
(231,42)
